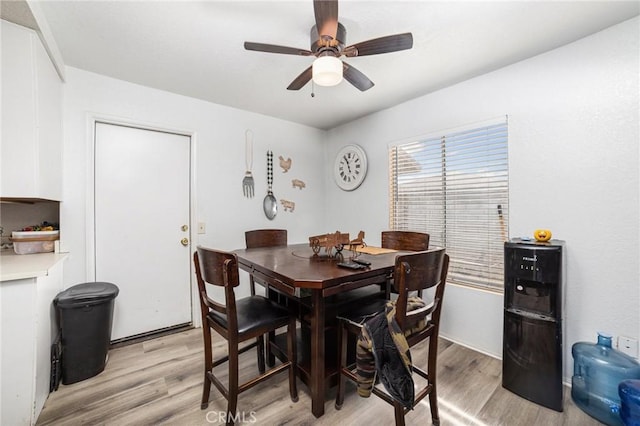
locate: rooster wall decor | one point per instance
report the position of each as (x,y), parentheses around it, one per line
(285,164)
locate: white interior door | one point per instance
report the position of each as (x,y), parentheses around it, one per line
(141,210)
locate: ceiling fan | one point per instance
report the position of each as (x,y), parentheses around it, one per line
(328,38)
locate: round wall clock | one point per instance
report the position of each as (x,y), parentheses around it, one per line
(350,167)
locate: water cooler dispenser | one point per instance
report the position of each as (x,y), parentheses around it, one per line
(532,341)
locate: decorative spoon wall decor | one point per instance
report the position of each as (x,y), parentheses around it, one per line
(270,204)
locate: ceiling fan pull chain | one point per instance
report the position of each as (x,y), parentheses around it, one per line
(313,89)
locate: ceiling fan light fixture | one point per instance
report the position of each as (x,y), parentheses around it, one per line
(327,71)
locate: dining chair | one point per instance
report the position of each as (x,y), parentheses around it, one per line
(414,271)
(237,321)
(405,241)
(258,238)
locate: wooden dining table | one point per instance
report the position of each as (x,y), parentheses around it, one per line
(298,273)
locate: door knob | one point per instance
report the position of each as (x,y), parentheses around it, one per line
(185,228)
(185,241)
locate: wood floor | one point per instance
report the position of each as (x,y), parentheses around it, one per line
(159,381)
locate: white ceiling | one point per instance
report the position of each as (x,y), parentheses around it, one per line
(196,48)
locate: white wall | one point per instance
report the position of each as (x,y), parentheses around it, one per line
(219,134)
(573,165)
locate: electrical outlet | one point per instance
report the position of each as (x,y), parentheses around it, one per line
(628,345)
(202,228)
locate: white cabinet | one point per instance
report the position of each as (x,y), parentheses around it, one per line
(27,329)
(18,355)
(31,118)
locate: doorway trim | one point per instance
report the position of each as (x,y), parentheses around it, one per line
(90,266)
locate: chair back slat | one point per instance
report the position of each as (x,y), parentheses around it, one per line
(415,272)
(265,238)
(217,268)
(405,240)
(259,238)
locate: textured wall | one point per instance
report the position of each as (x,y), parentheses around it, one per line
(573,164)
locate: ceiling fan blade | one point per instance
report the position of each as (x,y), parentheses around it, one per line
(355,77)
(272,48)
(386,44)
(301,80)
(326,12)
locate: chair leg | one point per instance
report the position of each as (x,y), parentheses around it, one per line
(271,358)
(208,366)
(292,354)
(260,350)
(431,365)
(399,414)
(232,402)
(252,285)
(433,403)
(271,336)
(342,361)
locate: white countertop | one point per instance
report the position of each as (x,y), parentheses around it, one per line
(20,266)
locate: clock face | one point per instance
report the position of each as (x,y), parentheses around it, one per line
(350,167)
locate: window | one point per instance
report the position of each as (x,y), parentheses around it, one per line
(455,187)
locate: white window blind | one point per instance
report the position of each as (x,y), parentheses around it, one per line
(456,188)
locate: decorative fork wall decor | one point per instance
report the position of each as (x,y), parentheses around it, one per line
(247,182)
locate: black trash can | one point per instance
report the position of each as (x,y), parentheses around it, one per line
(85,317)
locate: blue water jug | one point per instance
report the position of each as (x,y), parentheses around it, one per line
(629,391)
(597,371)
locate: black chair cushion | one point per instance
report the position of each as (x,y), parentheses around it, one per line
(361,314)
(255,312)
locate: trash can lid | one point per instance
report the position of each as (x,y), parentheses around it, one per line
(86,293)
